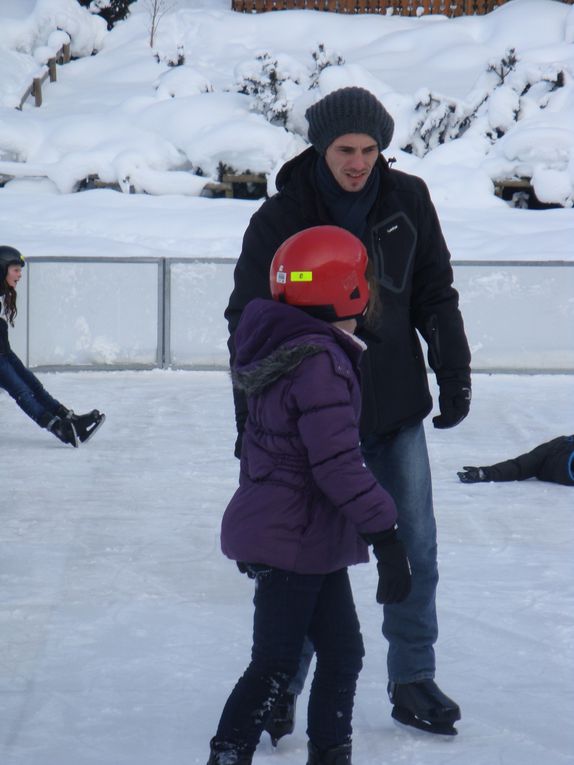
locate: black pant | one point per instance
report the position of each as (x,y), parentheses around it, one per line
(288,607)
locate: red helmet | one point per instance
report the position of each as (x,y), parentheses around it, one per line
(323,271)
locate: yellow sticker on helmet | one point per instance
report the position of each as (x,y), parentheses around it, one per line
(301,276)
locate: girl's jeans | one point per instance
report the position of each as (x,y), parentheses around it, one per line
(401,465)
(288,607)
(26,390)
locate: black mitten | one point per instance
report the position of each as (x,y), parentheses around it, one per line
(454,403)
(392,565)
(474,474)
(237,447)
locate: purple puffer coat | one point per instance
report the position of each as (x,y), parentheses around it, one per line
(304,492)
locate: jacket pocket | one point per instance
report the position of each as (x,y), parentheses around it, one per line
(394,242)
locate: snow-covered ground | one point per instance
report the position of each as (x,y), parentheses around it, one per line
(123,627)
(128,116)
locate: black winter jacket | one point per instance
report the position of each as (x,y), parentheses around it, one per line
(552,461)
(412,265)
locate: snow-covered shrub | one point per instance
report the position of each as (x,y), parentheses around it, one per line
(508,92)
(437,119)
(270,81)
(322,59)
(275,82)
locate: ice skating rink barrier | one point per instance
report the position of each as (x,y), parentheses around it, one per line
(110,313)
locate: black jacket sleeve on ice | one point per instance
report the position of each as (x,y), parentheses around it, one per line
(552,461)
(412,266)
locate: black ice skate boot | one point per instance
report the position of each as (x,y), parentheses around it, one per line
(424,706)
(338,755)
(86,424)
(62,429)
(281,722)
(226,753)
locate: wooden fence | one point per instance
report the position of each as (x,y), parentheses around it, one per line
(35,89)
(395,7)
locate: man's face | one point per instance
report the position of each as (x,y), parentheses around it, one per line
(350,158)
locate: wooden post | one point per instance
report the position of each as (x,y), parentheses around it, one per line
(52,69)
(37,91)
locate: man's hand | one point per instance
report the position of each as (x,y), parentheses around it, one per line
(454,403)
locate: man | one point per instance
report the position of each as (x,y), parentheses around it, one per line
(343,179)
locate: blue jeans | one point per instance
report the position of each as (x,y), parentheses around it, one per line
(26,390)
(401,465)
(288,607)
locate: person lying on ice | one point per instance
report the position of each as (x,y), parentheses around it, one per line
(20,383)
(552,461)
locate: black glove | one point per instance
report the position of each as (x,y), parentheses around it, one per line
(474,474)
(237,447)
(392,565)
(454,403)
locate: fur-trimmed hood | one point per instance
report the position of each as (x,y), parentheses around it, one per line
(273,338)
(277,364)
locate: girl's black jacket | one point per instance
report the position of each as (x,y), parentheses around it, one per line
(412,266)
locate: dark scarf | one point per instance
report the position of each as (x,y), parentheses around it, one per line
(348,209)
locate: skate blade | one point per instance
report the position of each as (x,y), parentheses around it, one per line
(75,440)
(404,717)
(94,430)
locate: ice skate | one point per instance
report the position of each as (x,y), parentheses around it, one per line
(64,430)
(86,424)
(338,755)
(225,753)
(424,706)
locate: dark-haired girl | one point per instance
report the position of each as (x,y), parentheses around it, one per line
(19,382)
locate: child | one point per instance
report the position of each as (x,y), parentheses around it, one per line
(23,385)
(551,461)
(306,506)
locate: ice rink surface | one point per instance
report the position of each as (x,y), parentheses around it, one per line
(123,627)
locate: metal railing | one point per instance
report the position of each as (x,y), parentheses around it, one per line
(141,313)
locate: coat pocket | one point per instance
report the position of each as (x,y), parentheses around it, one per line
(394,242)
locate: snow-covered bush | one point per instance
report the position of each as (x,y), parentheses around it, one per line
(275,82)
(322,60)
(509,91)
(510,111)
(270,81)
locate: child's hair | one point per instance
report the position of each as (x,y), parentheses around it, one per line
(374,306)
(9,256)
(9,303)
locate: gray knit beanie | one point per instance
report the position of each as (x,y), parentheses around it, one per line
(348,110)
